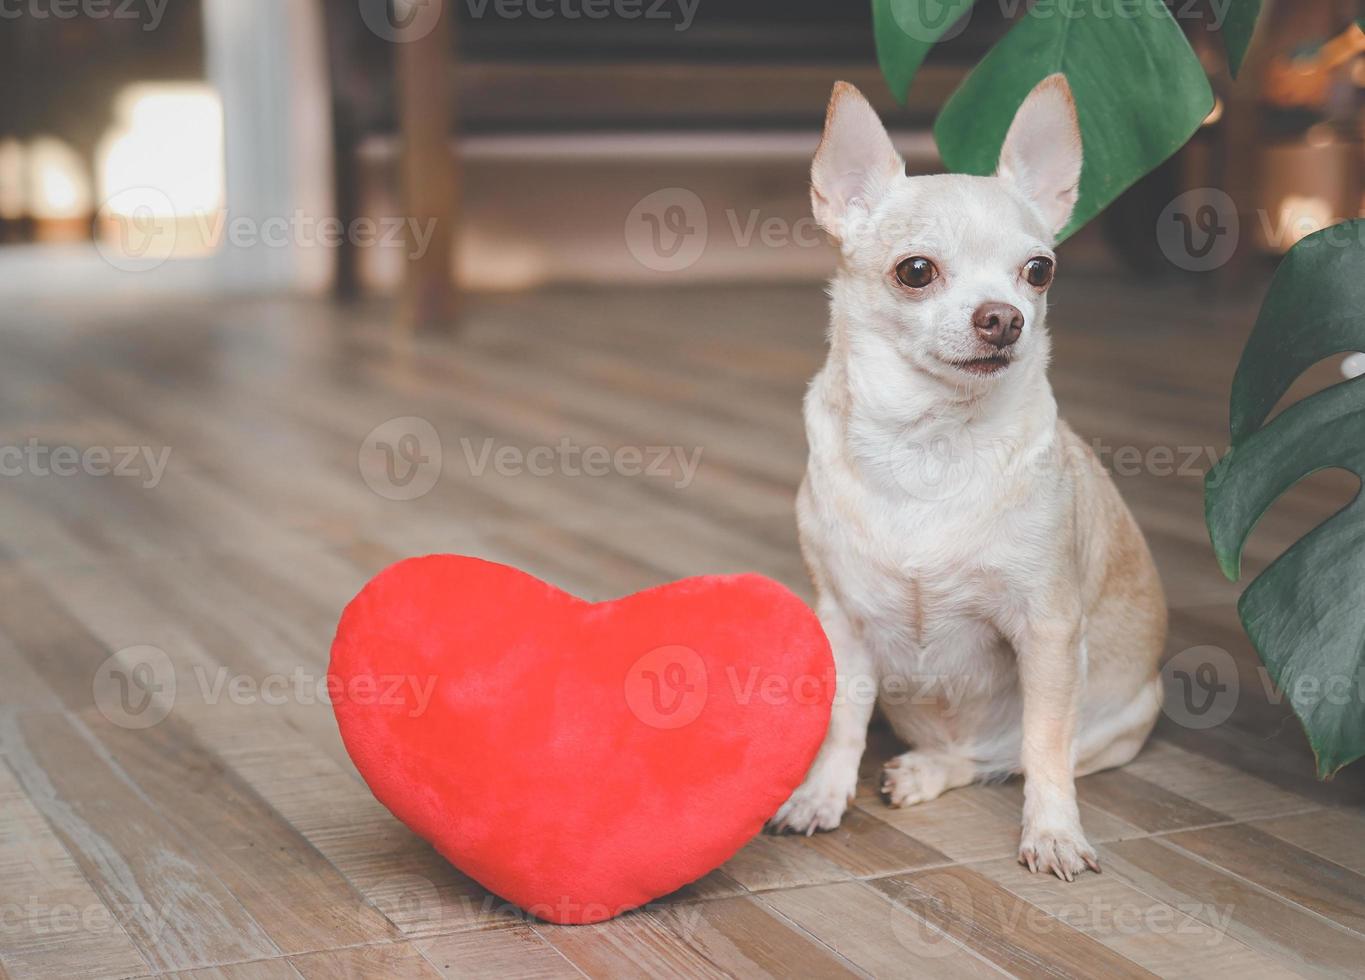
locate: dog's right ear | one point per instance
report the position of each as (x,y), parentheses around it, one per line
(855,162)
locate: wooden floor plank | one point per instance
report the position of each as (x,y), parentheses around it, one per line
(1304,942)
(743,938)
(53,646)
(55,924)
(872,932)
(777,862)
(286,885)
(717,884)
(24,689)
(868,847)
(1212,784)
(299,898)
(111,606)
(1162,938)
(1007,800)
(174,907)
(1142,803)
(398,873)
(516,952)
(635,945)
(1336,835)
(951,825)
(727,937)
(280,969)
(1015,935)
(390,961)
(1293,873)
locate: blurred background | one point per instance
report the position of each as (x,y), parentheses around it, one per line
(361,147)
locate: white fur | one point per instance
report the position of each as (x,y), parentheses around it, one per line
(960,537)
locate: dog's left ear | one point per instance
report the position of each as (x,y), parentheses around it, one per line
(1042,152)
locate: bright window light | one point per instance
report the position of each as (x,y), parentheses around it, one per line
(12,195)
(58,182)
(164,153)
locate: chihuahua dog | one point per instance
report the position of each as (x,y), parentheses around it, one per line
(978,575)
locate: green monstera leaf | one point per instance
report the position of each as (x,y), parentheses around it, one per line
(1140,92)
(905,31)
(1140,89)
(1239,23)
(1306,613)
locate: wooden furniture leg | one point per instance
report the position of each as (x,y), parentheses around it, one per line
(428,171)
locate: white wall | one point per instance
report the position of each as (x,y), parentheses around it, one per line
(267,58)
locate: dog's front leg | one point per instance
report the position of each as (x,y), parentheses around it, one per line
(1051,680)
(821,799)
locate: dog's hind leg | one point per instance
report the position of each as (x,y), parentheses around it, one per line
(1112,738)
(918,777)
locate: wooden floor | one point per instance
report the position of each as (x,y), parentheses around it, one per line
(233,838)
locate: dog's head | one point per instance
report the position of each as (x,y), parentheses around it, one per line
(951,271)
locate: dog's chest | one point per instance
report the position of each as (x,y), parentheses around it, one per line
(924,573)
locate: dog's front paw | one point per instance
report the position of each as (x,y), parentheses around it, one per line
(1063,852)
(817,804)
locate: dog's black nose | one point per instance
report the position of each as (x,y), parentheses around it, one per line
(999,324)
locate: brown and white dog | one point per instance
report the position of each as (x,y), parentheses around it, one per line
(979,577)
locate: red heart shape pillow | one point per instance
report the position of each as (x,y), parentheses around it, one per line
(577,758)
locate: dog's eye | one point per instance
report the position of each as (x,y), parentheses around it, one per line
(1038,272)
(916,272)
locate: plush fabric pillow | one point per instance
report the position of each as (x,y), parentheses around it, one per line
(579,759)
